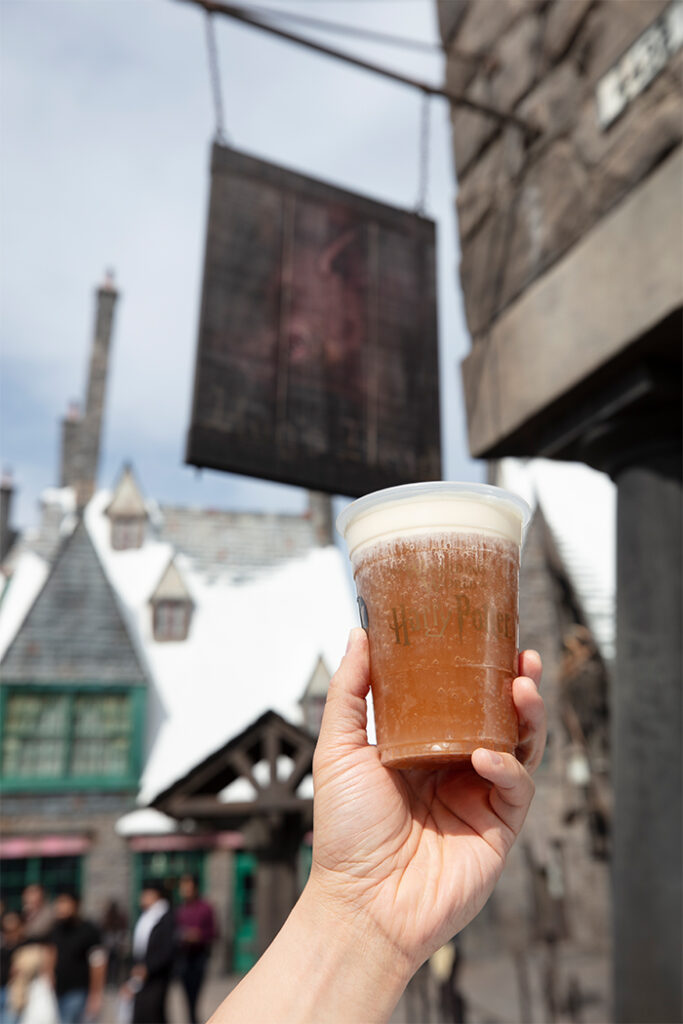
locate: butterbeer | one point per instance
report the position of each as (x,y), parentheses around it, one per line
(437,573)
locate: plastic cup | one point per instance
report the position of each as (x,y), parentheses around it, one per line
(436,567)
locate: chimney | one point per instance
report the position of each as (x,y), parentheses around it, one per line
(68,473)
(7,534)
(89,429)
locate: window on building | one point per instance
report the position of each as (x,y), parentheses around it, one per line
(127,532)
(70,737)
(52,873)
(171,619)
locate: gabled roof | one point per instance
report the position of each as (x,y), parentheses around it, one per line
(171,586)
(74,630)
(271,755)
(127,501)
(319,682)
(218,770)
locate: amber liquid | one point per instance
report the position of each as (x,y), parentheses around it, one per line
(441,613)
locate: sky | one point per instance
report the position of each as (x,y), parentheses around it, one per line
(107,122)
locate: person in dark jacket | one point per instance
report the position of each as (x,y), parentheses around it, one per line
(153,955)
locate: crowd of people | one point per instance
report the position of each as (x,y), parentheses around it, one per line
(55,964)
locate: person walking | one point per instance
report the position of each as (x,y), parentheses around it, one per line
(153,956)
(115,938)
(196,931)
(80,961)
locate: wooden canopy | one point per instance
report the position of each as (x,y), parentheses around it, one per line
(268,739)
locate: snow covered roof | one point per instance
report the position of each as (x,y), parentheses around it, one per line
(256,637)
(252,646)
(146,821)
(63,497)
(579,505)
(28,576)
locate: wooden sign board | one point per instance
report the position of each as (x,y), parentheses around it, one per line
(317,358)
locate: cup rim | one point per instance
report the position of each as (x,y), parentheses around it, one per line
(437,489)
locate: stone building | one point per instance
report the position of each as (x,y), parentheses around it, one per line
(137,641)
(572,273)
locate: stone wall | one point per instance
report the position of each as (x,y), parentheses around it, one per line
(544,933)
(521,203)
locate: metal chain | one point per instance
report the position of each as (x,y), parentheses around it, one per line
(423,172)
(215,78)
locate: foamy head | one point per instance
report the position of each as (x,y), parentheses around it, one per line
(432,508)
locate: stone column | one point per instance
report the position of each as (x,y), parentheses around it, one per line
(646,722)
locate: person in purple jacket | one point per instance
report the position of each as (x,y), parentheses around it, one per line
(196,931)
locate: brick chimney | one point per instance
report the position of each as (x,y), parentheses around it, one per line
(81,435)
(7,534)
(71,433)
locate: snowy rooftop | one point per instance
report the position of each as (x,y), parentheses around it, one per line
(579,505)
(28,576)
(254,640)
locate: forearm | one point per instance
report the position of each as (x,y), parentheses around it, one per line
(320,968)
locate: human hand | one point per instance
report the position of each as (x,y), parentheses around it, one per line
(413,856)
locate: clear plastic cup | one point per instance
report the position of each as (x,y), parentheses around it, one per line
(436,567)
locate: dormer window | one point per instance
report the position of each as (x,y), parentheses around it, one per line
(127,513)
(172,606)
(127,532)
(171,620)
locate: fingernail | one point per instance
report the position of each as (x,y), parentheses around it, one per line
(495,759)
(349,642)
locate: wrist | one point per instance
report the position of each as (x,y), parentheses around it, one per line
(357,970)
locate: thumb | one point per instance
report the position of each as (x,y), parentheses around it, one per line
(345,717)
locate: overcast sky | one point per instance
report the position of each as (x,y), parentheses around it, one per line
(107,122)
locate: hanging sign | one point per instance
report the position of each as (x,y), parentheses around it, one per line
(317,356)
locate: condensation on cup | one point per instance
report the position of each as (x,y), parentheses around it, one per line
(436,567)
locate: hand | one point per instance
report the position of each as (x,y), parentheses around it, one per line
(413,856)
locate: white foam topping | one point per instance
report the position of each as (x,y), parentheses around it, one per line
(433,508)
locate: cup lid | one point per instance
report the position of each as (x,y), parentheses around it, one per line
(435,495)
